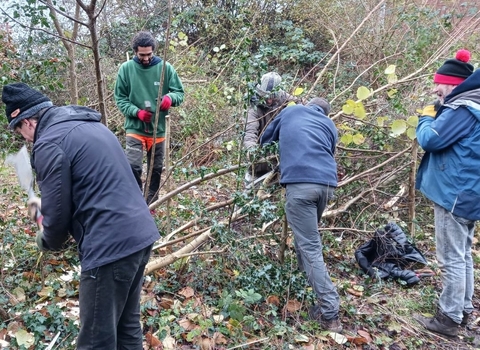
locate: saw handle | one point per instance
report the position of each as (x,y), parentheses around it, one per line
(34,211)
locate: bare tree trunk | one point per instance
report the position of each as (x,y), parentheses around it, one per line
(92,27)
(70,47)
(411,188)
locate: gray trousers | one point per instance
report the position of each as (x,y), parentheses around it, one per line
(134,152)
(304,208)
(454,239)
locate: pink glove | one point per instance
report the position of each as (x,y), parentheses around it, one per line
(166,103)
(144,116)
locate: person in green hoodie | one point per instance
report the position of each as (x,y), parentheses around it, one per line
(136,95)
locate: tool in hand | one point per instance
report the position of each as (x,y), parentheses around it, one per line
(148,107)
(21,163)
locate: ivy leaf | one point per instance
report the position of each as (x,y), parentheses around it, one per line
(411,133)
(24,338)
(291,103)
(398,127)
(363,93)
(359,111)
(19,294)
(390,69)
(300,338)
(216,49)
(182,35)
(413,121)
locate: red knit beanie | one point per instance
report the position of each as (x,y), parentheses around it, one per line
(454,71)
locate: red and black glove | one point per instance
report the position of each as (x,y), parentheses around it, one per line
(144,116)
(166,103)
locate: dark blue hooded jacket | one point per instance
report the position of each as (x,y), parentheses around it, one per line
(88,188)
(307,140)
(449,173)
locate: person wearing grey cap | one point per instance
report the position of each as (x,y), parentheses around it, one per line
(80,167)
(307,140)
(268,101)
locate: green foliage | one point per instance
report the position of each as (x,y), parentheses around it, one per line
(221,52)
(290,47)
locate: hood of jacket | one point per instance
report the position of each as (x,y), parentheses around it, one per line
(55,115)
(471,83)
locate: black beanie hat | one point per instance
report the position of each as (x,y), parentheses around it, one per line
(454,71)
(321,102)
(22,102)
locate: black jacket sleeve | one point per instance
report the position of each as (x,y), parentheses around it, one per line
(54,180)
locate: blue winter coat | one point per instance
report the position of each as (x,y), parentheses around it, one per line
(449,173)
(88,188)
(307,140)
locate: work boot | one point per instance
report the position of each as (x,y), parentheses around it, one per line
(441,323)
(465,319)
(332,325)
(314,312)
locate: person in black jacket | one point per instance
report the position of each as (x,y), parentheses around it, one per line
(88,190)
(307,141)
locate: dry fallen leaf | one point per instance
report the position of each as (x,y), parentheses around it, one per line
(274,300)
(354,292)
(187,292)
(365,334)
(166,303)
(152,340)
(169,343)
(186,324)
(312,347)
(219,338)
(293,306)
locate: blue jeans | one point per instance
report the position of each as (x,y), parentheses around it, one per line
(110,304)
(453,236)
(305,205)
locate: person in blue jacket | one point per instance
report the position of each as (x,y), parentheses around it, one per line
(308,170)
(449,176)
(88,192)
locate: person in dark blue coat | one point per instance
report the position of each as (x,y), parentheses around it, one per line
(449,176)
(89,192)
(307,140)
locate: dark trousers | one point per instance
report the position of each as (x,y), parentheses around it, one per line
(134,152)
(110,304)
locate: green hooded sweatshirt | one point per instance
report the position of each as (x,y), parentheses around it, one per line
(136,84)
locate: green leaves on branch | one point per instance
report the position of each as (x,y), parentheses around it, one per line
(349,138)
(401,126)
(357,109)
(180,40)
(390,73)
(363,93)
(297,92)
